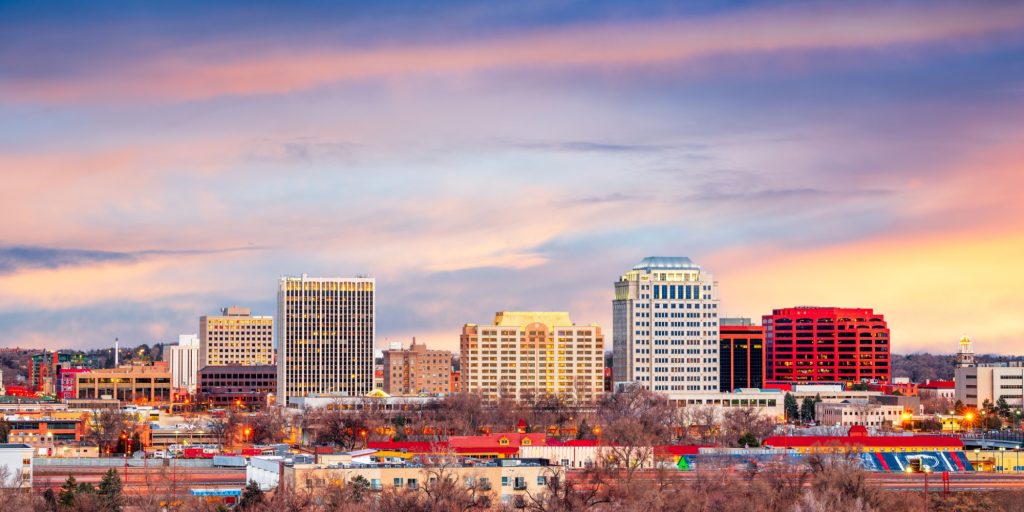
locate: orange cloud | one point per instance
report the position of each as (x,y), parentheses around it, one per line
(185,77)
(931,289)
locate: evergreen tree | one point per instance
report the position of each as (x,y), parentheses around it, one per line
(111,491)
(67,492)
(790,406)
(958,407)
(1002,407)
(253,495)
(748,440)
(807,409)
(583,430)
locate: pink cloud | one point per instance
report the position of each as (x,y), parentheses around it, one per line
(256,71)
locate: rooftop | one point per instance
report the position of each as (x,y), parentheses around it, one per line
(666,263)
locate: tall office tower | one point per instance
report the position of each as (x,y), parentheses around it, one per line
(741,354)
(665,326)
(184,362)
(236,337)
(417,370)
(325,336)
(528,355)
(826,344)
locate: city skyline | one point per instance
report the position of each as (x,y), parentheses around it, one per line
(170,161)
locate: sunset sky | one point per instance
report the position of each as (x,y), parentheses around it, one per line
(162,160)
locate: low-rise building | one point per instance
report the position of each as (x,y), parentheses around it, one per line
(45,431)
(938,388)
(768,402)
(237,385)
(137,383)
(16,465)
(508,481)
(860,412)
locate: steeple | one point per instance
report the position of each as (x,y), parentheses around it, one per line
(965,355)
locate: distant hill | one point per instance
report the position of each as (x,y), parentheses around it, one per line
(923,366)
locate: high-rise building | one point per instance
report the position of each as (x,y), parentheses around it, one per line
(665,326)
(184,362)
(826,344)
(236,337)
(417,370)
(325,336)
(741,354)
(527,355)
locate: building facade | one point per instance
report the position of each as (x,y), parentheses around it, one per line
(665,326)
(236,337)
(417,370)
(741,354)
(130,383)
(325,332)
(525,355)
(183,360)
(16,465)
(237,385)
(976,384)
(849,413)
(826,344)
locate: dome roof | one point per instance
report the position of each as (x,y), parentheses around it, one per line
(666,263)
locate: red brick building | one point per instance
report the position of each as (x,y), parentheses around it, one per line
(815,344)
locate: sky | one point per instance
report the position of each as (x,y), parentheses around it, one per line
(159,161)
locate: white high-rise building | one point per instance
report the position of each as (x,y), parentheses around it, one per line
(184,362)
(325,336)
(665,326)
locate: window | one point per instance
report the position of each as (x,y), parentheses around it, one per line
(504,481)
(542,480)
(412,484)
(398,482)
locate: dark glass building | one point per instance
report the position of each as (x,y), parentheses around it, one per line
(741,354)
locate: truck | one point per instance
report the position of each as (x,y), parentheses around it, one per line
(229,461)
(200,453)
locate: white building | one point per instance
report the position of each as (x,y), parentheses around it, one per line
(665,326)
(325,336)
(184,362)
(265,470)
(976,384)
(16,465)
(768,402)
(859,412)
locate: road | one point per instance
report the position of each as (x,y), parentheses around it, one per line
(889,481)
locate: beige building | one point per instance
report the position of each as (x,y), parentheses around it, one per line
(130,383)
(325,336)
(236,337)
(524,355)
(861,412)
(507,481)
(989,382)
(417,370)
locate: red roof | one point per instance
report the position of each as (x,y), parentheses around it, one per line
(865,441)
(492,442)
(409,446)
(938,384)
(661,451)
(553,441)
